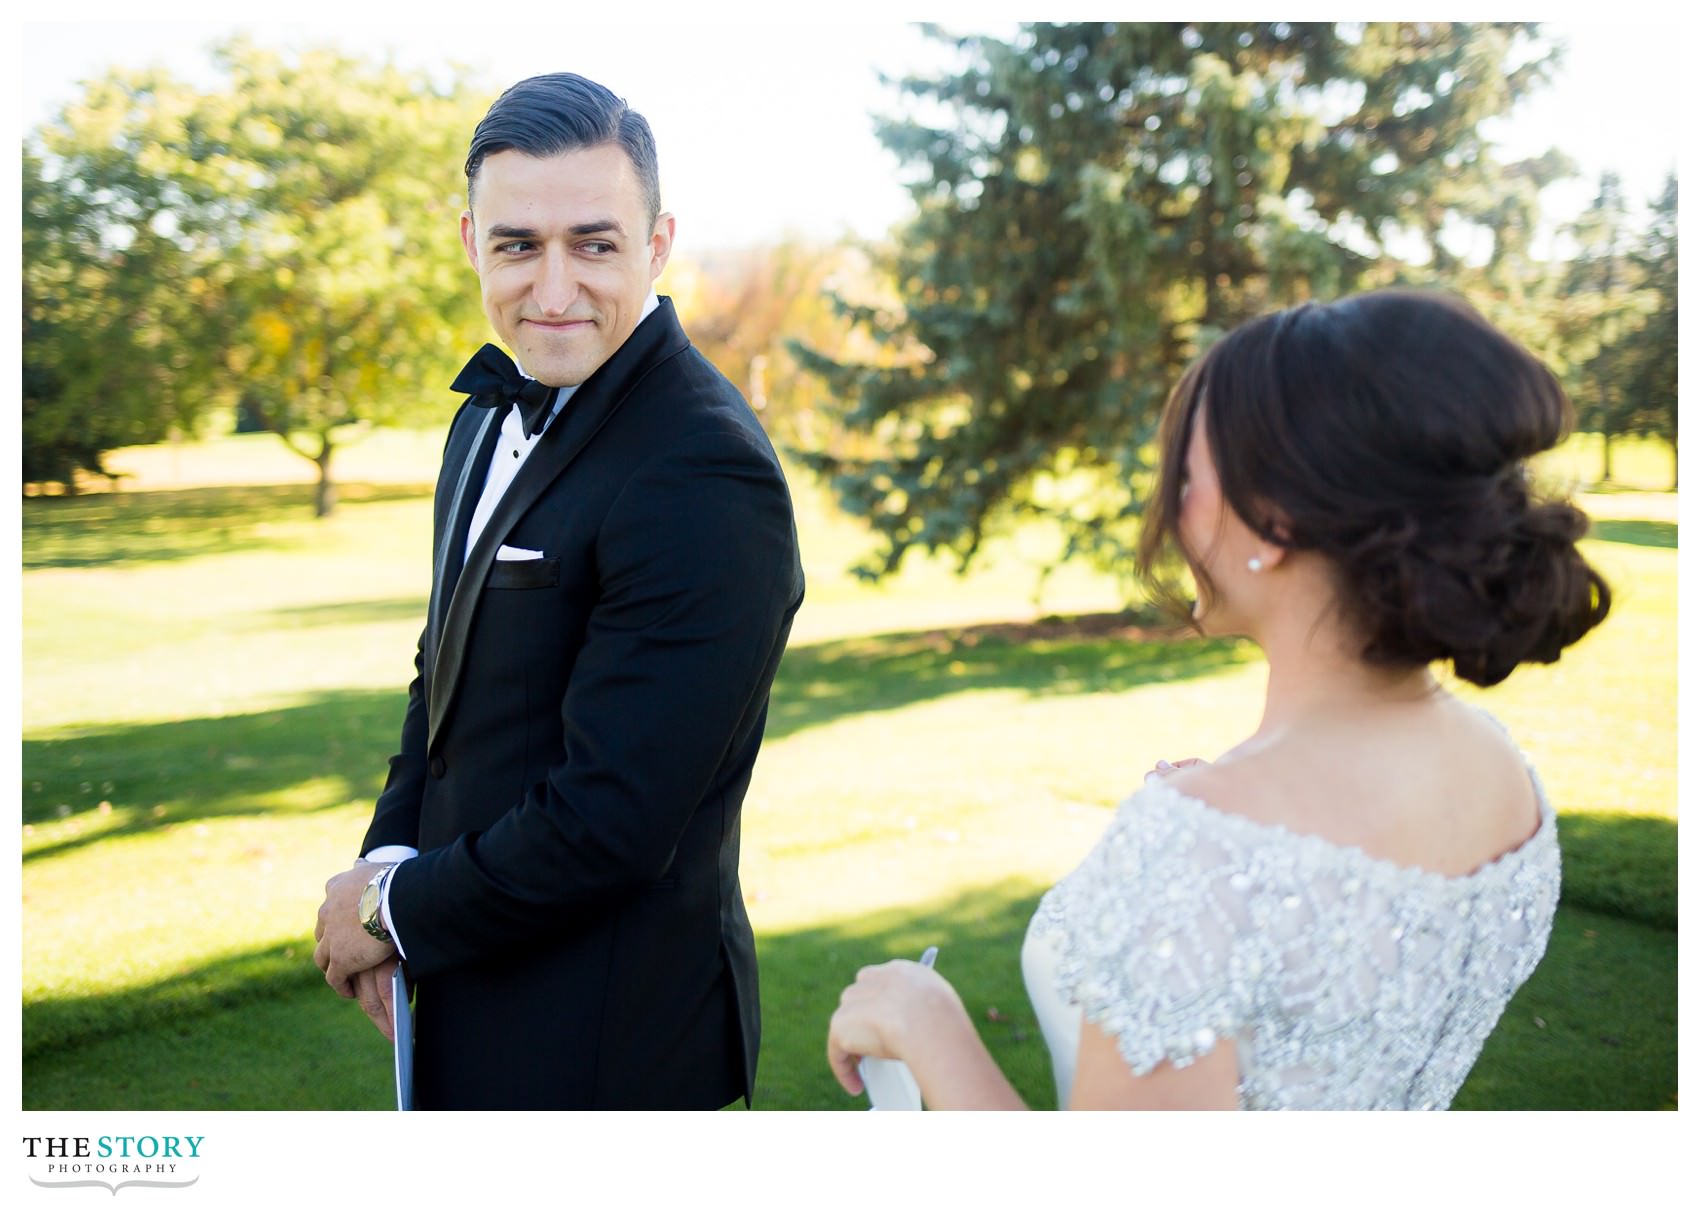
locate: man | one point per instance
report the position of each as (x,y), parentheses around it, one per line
(616,572)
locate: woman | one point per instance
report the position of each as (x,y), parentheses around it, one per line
(1336,911)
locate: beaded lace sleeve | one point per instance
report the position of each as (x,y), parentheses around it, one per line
(1346,980)
(1154,934)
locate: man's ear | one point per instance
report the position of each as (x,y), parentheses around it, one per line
(660,244)
(469,237)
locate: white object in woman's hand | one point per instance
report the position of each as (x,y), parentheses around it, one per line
(885,1014)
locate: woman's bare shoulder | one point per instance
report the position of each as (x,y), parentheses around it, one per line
(1445,790)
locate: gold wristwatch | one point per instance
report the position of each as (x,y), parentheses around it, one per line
(372,905)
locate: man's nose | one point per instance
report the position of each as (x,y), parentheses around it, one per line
(556,287)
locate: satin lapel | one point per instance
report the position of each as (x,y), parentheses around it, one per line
(659,337)
(451,544)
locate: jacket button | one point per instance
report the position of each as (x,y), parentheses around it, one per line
(438,767)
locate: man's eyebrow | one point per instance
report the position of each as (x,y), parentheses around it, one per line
(596,226)
(508,231)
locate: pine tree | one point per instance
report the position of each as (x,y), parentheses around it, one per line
(1651,371)
(1606,313)
(1100,202)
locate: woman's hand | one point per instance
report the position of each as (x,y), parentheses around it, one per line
(1164,768)
(896,1009)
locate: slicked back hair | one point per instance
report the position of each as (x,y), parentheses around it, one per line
(562,112)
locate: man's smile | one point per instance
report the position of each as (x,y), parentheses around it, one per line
(559,325)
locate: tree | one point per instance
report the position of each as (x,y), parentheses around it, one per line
(743,310)
(1650,381)
(115,349)
(307,213)
(1103,201)
(1606,311)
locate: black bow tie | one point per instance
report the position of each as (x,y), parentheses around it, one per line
(492,380)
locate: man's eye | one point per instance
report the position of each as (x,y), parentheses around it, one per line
(514,246)
(600,248)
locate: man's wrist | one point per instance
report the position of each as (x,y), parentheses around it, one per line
(371,904)
(384,910)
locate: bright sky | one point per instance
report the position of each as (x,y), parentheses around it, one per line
(764,126)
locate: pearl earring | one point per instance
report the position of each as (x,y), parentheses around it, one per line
(1254,564)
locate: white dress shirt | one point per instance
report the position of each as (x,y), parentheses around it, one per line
(512,450)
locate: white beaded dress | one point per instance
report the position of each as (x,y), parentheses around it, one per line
(1346,981)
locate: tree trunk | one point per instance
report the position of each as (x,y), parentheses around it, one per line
(1675,463)
(324,495)
(1605,456)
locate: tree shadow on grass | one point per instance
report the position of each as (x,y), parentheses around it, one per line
(71,1019)
(342,614)
(116,528)
(1082,654)
(160,774)
(1638,533)
(294,1049)
(337,743)
(978,932)
(1595,1027)
(178,1028)
(1620,863)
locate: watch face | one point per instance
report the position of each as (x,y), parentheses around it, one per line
(369,902)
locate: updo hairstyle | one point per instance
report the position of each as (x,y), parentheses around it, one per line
(1388,432)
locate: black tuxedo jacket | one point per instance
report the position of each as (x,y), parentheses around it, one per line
(578,742)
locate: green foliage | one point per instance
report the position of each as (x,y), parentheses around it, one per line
(113,345)
(285,243)
(1096,203)
(1614,323)
(1609,310)
(1652,359)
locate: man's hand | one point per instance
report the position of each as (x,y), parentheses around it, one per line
(375,993)
(344,948)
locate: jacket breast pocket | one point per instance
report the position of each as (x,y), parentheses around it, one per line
(524,574)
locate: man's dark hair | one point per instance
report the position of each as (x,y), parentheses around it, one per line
(562,112)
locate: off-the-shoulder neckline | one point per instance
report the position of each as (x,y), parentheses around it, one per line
(1158,789)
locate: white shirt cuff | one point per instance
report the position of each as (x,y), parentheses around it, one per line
(397,855)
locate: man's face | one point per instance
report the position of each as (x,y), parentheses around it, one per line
(565,256)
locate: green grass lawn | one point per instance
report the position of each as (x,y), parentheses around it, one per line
(213,680)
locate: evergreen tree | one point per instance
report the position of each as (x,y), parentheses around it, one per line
(1101,201)
(1651,372)
(1606,313)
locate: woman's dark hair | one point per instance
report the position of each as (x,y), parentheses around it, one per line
(561,112)
(1388,433)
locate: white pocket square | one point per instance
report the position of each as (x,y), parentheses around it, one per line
(504,552)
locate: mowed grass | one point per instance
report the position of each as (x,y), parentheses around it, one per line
(213,681)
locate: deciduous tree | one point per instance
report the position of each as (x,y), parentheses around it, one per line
(289,239)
